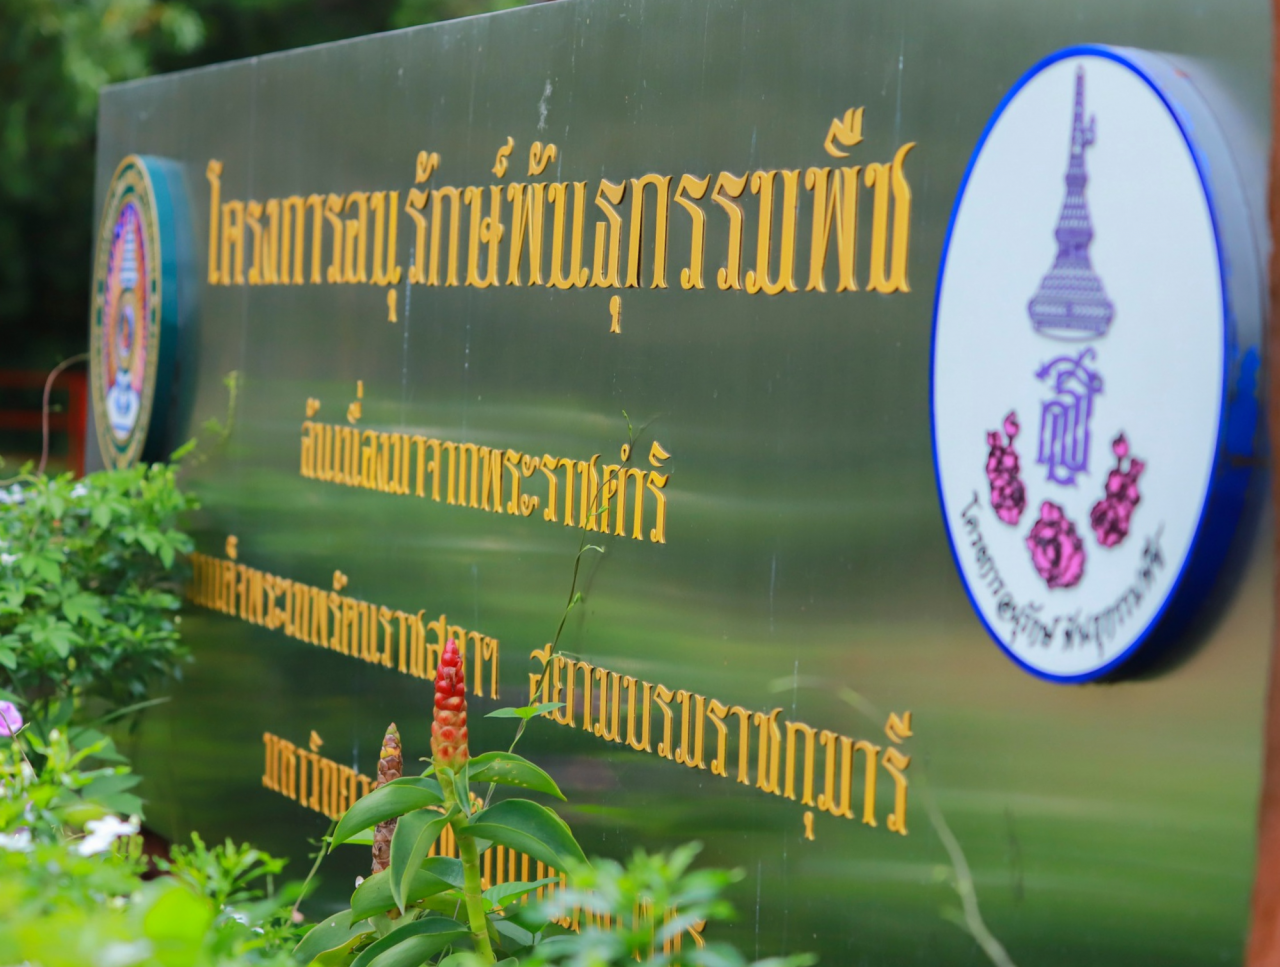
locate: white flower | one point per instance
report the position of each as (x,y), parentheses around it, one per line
(19,842)
(120,954)
(359,880)
(13,495)
(101,833)
(237,916)
(7,559)
(79,490)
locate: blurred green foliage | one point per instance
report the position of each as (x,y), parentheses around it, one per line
(227,874)
(55,55)
(71,878)
(90,578)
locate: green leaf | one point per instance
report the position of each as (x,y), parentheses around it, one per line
(412,944)
(510,769)
(176,924)
(387,802)
(181,453)
(526,713)
(530,828)
(362,838)
(437,874)
(109,785)
(101,514)
(415,832)
(336,933)
(461,790)
(504,893)
(130,709)
(125,803)
(84,607)
(515,935)
(96,744)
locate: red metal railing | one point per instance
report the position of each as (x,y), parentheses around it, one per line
(70,419)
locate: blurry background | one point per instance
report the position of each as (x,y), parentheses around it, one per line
(55,55)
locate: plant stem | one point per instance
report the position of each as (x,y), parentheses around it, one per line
(471,893)
(320,851)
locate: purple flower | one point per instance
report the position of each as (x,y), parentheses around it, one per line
(10,718)
(1056,549)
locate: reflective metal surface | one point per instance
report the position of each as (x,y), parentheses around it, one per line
(805,565)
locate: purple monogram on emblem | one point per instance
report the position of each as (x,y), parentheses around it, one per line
(1071,303)
(1064,420)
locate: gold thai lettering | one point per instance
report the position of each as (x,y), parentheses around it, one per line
(762,184)
(775,756)
(835,205)
(558,197)
(661,185)
(888,180)
(213,172)
(497,480)
(337,622)
(274,229)
(608,234)
(526,229)
(728,187)
(689,190)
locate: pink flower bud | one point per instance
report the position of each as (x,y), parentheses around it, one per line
(449,726)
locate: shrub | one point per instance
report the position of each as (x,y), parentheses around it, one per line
(89,582)
(71,888)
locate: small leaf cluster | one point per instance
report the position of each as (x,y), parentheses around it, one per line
(66,902)
(89,586)
(228,874)
(637,898)
(77,781)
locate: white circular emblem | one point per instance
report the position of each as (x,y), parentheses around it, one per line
(1082,354)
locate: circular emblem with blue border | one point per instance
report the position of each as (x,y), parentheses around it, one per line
(133,317)
(1095,361)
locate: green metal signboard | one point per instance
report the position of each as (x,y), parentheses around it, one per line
(849,412)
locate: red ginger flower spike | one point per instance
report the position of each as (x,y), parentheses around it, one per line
(390,766)
(449,727)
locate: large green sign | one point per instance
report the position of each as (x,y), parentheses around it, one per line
(849,412)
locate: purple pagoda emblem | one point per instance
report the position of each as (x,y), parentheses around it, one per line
(1071,305)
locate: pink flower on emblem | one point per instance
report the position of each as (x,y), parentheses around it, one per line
(1056,549)
(1111,515)
(1008,495)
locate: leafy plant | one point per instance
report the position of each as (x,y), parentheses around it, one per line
(628,902)
(422,909)
(227,874)
(71,891)
(89,582)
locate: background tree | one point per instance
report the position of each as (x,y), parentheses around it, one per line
(55,55)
